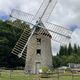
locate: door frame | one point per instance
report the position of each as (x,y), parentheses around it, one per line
(36,67)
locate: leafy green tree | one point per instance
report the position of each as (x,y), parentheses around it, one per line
(9,35)
(56,61)
(64,60)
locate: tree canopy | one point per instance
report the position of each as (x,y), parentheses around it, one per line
(67,55)
(9,35)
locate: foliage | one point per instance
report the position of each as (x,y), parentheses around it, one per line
(44,73)
(67,55)
(9,35)
(45,69)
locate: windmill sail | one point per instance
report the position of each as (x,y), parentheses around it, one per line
(21,43)
(18,23)
(45,10)
(54,36)
(17,14)
(60,38)
(32,32)
(58,33)
(58,29)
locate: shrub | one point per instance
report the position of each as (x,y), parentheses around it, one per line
(45,69)
(45,73)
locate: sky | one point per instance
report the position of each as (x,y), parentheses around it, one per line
(66,13)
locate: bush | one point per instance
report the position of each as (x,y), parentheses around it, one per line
(44,73)
(45,69)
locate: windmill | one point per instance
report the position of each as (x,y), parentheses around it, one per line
(38,42)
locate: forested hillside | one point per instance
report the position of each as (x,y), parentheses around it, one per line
(67,55)
(8,37)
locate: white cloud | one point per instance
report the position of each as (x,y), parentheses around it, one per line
(55,47)
(67,12)
(76,37)
(6,5)
(23,5)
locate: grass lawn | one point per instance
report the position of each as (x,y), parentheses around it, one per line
(20,75)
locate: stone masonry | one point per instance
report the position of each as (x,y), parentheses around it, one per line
(38,52)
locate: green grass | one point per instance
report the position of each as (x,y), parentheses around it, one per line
(20,75)
(16,75)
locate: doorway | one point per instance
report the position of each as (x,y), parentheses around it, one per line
(38,66)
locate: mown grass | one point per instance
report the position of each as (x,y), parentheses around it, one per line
(20,75)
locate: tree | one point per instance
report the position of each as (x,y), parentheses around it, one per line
(64,60)
(61,52)
(65,50)
(9,35)
(56,61)
(67,55)
(70,49)
(75,49)
(78,51)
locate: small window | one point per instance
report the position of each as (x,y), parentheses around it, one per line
(38,51)
(38,41)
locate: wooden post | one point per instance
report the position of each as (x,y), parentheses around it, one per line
(58,74)
(11,71)
(72,76)
(0,72)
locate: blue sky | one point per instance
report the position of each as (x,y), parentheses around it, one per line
(66,13)
(3,16)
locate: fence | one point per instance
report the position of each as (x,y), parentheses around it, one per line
(20,75)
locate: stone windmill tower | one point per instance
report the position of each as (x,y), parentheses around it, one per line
(38,42)
(39,51)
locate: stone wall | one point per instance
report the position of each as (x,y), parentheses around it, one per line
(46,54)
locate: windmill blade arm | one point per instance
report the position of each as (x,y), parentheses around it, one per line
(58,33)
(21,43)
(58,29)
(20,54)
(45,10)
(17,14)
(49,10)
(59,38)
(41,9)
